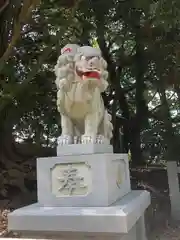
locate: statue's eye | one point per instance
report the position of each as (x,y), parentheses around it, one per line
(83,58)
(89,58)
(93,58)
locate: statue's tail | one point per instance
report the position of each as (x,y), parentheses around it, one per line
(108,127)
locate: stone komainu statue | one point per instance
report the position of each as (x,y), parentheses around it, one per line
(81,76)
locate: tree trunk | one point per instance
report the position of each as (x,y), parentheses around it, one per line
(135,148)
(171,140)
(136,124)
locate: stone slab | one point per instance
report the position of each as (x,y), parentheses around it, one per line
(116,219)
(79,149)
(131,235)
(82,180)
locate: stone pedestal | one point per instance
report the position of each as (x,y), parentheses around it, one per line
(83,194)
(123,219)
(82,180)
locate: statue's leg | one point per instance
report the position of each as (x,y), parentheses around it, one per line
(101,137)
(98,129)
(91,127)
(67,131)
(77,135)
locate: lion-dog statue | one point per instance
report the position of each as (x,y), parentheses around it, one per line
(81,76)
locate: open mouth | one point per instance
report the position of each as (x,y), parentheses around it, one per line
(88,74)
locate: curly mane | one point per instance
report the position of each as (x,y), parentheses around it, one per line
(64,71)
(104,76)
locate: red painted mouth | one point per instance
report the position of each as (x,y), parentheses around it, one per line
(89,74)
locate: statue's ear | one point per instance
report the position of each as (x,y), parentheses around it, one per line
(77,57)
(103,63)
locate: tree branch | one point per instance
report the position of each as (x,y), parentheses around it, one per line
(4,6)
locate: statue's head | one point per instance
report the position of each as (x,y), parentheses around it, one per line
(84,64)
(90,67)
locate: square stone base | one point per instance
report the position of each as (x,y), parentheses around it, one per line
(82,180)
(124,218)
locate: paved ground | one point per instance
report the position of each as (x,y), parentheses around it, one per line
(171,232)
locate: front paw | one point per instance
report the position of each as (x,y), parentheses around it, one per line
(88,139)
(77,140)
(100,139)
(64,140)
